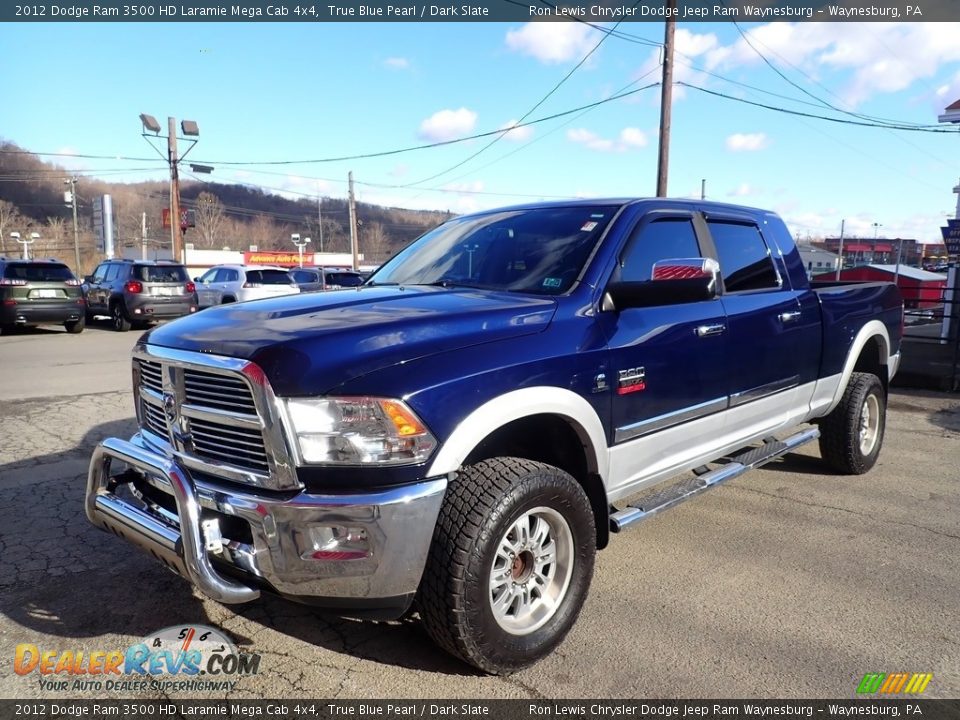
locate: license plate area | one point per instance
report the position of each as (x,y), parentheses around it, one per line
(167,291)
(46,294)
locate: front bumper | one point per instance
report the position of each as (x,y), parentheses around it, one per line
(278,553)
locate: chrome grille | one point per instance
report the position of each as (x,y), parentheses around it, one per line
(234,445)
(153,418)
(151,375)
(213,419)
(218,392)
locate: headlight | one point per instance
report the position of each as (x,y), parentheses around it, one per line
(358,431)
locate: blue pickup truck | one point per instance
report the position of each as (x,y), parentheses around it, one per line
(462,433)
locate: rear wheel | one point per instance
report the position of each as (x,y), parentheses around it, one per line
(75,326)
(118,317)
(227,300)
(852,434)
(510,563)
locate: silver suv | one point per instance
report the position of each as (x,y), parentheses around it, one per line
(139,291)
(237,283)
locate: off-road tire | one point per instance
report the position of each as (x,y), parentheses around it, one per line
(483,503)
(75,327)
(852,434)
(118,317)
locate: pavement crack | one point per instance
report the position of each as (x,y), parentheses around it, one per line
(852,512)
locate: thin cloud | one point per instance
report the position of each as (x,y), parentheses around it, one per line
(448,125)
(629,138)
(747,142)
(397,63)
(517,134)
(551,42)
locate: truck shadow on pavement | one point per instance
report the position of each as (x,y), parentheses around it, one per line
(63,579)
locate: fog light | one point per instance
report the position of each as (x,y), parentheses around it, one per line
(335,542)
(137,311)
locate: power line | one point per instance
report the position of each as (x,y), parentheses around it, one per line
(842,121)
(526,114)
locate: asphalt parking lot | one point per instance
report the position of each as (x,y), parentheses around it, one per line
(787,582)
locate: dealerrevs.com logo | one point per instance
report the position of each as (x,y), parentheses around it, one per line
(185,658)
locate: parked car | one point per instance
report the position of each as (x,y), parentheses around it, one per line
(39,292)
(136,292)
(321,279)
(469,427)
(237,283)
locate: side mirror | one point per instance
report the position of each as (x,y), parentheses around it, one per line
(88,279)
(673,282)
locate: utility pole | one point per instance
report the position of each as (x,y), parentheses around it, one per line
(354,237)
(176,237)
(76,236)
(840,251)
(320,218)
(143,236)
(703,189)
(666,99)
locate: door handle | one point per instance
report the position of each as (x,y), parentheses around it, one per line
(706,330)
(786,317)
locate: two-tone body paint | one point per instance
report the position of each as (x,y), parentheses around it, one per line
(467,360)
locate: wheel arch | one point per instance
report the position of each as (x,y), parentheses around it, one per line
(547,424)
(869,352)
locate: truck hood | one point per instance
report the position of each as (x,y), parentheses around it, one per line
(308,344)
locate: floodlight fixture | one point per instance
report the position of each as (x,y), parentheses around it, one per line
(150,123)
(189,128)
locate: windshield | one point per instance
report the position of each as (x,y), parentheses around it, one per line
(269,277)
(539,250)
(38,272)
(160,273)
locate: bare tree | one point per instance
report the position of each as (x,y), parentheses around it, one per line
(261,232)
(10,220)
(209,218)
(376,243)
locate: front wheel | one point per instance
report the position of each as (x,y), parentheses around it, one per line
(510,563)
(852,434)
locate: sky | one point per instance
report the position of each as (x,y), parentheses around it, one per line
(265,94)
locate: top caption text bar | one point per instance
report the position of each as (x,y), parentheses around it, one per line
(482,11)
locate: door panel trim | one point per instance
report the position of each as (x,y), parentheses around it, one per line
(634,430)
(762,391)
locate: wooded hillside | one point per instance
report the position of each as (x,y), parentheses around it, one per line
(232,216)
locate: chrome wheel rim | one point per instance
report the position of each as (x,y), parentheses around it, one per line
(869,424)
(531,571)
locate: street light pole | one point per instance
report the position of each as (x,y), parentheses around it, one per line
(72,182)
(26,242)
(295,237)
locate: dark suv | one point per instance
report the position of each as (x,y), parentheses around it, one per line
(138,291)
(320,279)
(39,292)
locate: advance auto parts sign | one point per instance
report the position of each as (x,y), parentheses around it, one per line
(185,658)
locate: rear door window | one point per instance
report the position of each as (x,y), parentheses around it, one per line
(344,279)
(745,261)
(269,277)
(113,270)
